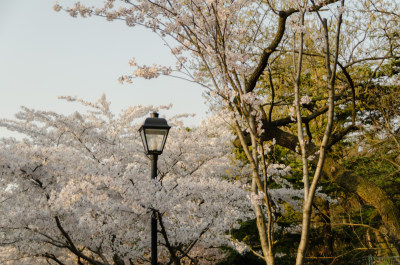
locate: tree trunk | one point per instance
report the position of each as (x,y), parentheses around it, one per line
(265,235)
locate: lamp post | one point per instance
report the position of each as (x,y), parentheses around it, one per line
(154,132)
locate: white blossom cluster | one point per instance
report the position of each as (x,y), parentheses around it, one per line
(83,181)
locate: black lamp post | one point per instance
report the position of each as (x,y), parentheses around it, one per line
(154,132)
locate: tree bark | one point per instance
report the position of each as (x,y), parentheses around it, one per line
(369,192)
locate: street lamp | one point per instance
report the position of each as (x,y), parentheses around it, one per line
(154,132)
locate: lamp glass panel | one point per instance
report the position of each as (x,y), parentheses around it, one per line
(143,136)
(155,139)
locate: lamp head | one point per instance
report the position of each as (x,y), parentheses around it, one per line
(154,132)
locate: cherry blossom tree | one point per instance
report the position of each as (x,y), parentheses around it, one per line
(235,50)
(78,190)
(225,43)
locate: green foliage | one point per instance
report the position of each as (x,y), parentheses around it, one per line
(234,258)
(379,163)
(248,233)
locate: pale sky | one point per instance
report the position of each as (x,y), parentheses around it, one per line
(45,54)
